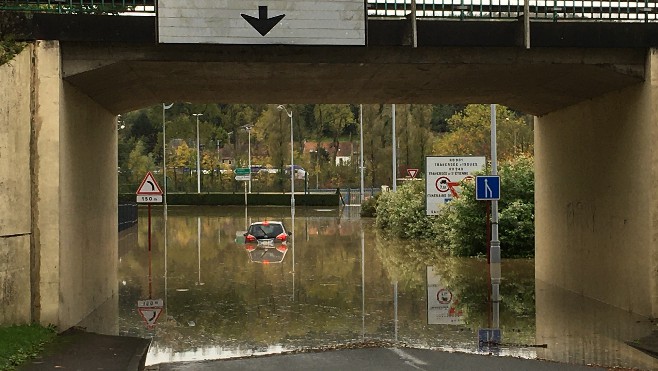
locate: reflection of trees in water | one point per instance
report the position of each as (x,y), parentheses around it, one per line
(406,262)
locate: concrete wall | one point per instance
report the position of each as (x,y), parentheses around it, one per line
(60,213)
(15,189)
(596,199)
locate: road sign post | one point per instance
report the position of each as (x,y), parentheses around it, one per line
(149,192)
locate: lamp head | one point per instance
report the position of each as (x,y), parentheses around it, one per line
(281,107)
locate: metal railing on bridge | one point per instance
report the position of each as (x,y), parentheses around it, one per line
(576,10)
(133,7)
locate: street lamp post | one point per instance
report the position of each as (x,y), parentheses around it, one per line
(280,107)
(361,150)
(198,154)
(248,129)
(164,150)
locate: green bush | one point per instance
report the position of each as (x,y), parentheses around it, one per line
(369,207)
(402,213)
(460,228)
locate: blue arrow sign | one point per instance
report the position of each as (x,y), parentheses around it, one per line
(487,187)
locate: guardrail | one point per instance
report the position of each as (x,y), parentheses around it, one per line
(146,7)
(553,10)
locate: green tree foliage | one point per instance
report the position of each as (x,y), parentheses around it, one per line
(460,228)
(332,120)
(470,133)
(222,136)
(10,23)
(402,213)
(463,216)
(414,136)
(377,143)
(139,163)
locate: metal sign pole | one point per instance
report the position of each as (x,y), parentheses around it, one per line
(149,238)
(495,243)
(395,162)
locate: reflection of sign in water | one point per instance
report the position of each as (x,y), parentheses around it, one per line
(442,304)
(150,310)
(489,339)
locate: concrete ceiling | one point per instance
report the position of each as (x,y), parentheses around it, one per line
(124,77)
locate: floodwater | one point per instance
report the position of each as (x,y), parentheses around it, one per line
(338,282)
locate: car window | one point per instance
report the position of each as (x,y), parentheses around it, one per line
(265,230)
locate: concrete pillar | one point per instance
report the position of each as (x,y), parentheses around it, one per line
(58,223)
(45,165)
(88,207)
(596,197)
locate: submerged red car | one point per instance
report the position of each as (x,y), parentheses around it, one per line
(266,233)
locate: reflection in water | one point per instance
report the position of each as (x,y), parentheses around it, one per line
(342,283)
(582,330)
(266,255)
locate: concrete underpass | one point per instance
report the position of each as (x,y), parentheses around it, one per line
(595,136)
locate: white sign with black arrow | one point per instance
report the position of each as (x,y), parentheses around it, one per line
(301,22)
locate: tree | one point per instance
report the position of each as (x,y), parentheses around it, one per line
(377,143)
(139,163)
(470,133)
(464,215)
(460,227)
(332,120)
(182,157)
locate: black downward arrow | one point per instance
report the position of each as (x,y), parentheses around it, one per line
(262,24)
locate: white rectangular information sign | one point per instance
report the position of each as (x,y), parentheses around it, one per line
(444,173)
(149,199)
(442,303)
(301,22)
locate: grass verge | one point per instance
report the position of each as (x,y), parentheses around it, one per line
(22,342)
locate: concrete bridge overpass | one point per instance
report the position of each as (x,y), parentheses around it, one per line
(592,87)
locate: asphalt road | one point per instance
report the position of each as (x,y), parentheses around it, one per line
(375,359)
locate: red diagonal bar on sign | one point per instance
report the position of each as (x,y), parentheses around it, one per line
(453,191)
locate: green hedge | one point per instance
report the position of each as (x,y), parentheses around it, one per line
(256,199)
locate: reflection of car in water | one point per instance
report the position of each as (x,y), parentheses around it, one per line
(266,255)
(266,233)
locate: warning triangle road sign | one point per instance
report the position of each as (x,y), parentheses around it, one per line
(150,315)
(149,186)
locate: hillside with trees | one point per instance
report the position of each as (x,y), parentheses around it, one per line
(326,142)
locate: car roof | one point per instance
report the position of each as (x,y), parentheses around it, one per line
(267,222)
